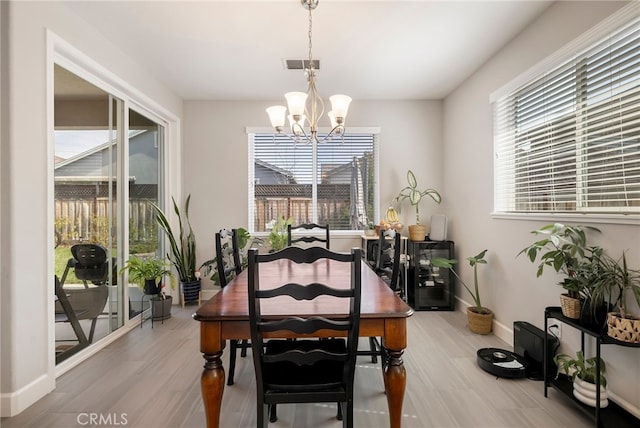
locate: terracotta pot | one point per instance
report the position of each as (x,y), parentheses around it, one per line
(480,323)
(417,232)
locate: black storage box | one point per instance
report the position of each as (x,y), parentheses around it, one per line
(528,343)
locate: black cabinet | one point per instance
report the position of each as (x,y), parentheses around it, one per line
(612,415)
(430,287)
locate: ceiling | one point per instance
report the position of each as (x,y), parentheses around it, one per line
(374,49)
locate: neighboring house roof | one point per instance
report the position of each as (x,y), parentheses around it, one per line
(274,168)
(96,149)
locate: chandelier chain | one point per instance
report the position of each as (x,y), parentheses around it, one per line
(310,106)
(311,65)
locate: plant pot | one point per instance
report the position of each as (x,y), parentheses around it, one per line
(480,323)
(151,287)
(161,308)
(190,291)
(370,232)
(571,307)
(623,329)
(417,232)
(585,392)
(594,318)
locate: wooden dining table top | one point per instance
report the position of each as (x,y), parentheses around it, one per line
(378,300)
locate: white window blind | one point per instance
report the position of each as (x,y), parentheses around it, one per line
(569,140)
(326,183)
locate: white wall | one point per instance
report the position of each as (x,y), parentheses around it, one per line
(509,284)
(26,298)
(216,151)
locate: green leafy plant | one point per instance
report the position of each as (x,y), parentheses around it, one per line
(473,262)
(371,225)
(414,195)
(182,246)
(618,278)
(278,235)
(564,249)
(147,268)
(584,368)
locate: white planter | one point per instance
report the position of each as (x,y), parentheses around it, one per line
(585,392)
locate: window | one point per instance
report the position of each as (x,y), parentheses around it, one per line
(326,183)
(569,140)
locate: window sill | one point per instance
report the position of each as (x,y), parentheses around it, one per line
(626,219)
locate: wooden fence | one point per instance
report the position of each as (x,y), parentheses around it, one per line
(88,220)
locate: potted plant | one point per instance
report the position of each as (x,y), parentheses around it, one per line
(622,324)
(370,230)
(278,235)
(182,251)
(584,375)
(147,272)
(479,318)
(564,249)
(417,231)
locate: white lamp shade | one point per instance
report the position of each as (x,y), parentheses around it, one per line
(277,115)
(340,105)
(332,118)
(296,102)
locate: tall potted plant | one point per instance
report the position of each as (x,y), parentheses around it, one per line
(417,231)
(479,318)
(182,250)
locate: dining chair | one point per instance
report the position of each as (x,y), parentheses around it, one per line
(308,228)
(228,265)
(305,370)
(386,263)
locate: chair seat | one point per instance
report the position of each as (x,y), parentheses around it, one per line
(288,376)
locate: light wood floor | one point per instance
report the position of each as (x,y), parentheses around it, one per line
(151,378)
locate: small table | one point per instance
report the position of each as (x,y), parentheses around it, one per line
(226,316)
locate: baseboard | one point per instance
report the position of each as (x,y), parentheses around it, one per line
(499,329)
(13,403)
(634,410)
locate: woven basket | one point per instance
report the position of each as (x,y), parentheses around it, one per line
(479,323)
(571,307)
(417,232)
(623,329)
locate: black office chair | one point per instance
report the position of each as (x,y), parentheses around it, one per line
(386,264)
(304,370)
(90,265)
(307,228)
(229,265)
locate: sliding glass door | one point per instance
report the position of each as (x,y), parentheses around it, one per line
(104,152)
(146,142)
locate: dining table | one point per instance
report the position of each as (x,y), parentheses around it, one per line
(226,317)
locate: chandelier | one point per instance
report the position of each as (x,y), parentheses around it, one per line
(309,106)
